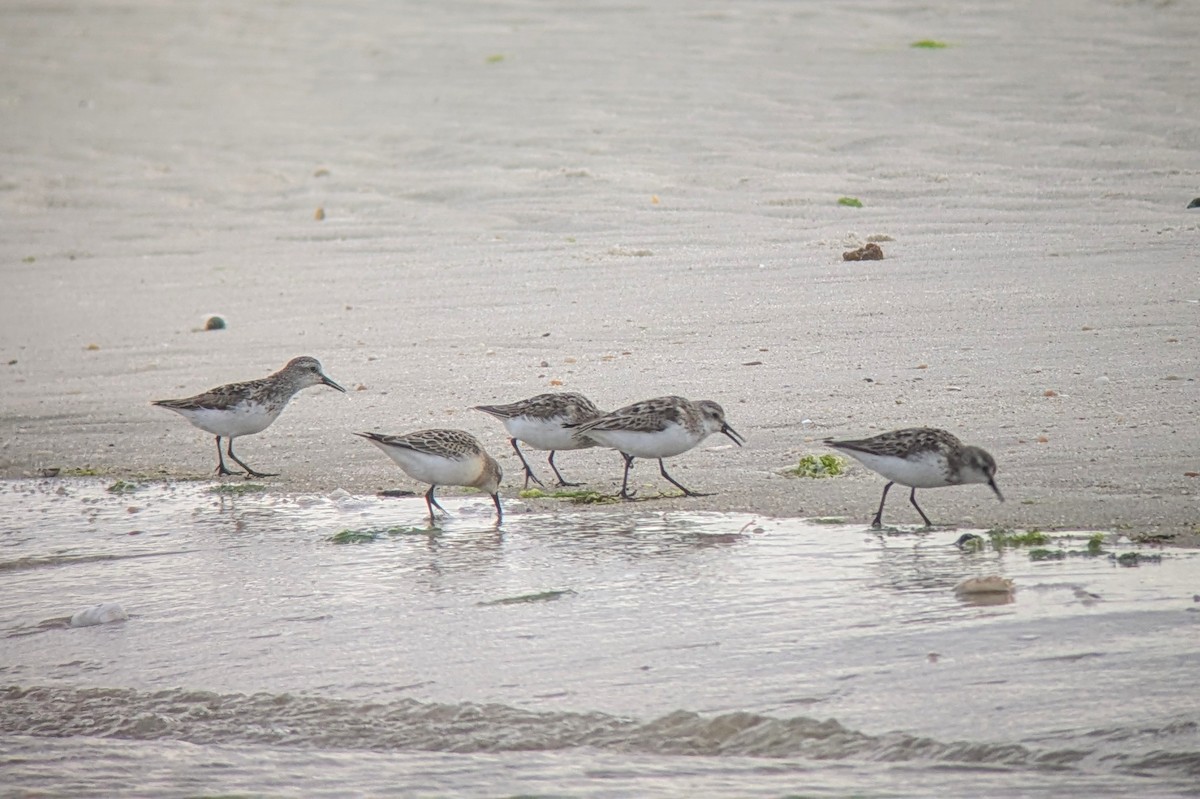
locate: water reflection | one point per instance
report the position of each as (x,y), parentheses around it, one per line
(925,563)
(622,609)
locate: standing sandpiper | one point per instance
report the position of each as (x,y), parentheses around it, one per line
(546,422)
(920,457)
(443,457)
(658,428)
(243,409)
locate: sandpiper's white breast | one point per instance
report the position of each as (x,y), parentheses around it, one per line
(243,419)
(671,440)
(543,433)
(920,470)
(436,469)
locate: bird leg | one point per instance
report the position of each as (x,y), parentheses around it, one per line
(222,469)
(687,492)
(562,483)
(431,502)
(875,525)
(249,472)
(529,475)
(913,499)
(625,478)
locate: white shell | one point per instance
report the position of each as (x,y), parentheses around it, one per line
(103,613)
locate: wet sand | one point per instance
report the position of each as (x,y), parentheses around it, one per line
(626,202)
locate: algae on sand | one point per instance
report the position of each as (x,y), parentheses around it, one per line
(1002,537)
(1129,559)
(578,497)
(817,466)
(237,489)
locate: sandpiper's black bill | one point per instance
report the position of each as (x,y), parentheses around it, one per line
(327,380)
(996,488)
(734,435)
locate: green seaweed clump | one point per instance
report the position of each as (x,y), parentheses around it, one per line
(353,537)
(588,497)
(367,536)
(1047,554)
(578,497)
(1028,538)
(1002,537)
(81,471)
(122,487)
(929,44)
(850,202)
(237,489)
(1095,544)
(817,466)
(1130,559)
(541,596)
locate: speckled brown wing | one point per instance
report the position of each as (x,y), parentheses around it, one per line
(441,443)
(511,410)
(902,443)
(225,396)
(579,409)
(647,416)
(572,407)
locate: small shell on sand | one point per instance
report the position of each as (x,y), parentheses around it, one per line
(103,613)
(992,584)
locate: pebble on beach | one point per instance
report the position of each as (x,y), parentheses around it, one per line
(868,252)
(104,613)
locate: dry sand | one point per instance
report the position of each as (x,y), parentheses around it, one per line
(624,200)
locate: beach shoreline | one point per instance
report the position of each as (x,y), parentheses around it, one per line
(452,211)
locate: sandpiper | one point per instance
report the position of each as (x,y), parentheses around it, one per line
(920,457)
(243,409)
(658,428)
(545,422)
(443,457)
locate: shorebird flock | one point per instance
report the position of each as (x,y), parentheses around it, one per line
(659,428)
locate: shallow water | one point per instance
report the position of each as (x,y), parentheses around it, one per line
(595,651)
